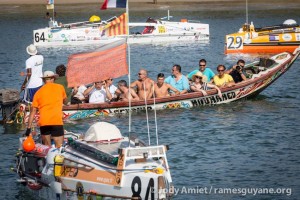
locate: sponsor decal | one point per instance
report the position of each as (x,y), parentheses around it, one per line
(120,167)
(273,37)
(213,99)
(80,38)
(126,110)
(172,105)
(287,37)
(297,36)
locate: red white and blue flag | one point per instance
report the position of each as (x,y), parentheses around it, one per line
(114,4)
(50,4)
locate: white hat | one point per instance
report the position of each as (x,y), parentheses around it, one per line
(49,74)
(31,50)
(199,74)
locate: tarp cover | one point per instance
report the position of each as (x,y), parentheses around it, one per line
(102,131)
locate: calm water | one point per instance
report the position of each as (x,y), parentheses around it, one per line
(247,144)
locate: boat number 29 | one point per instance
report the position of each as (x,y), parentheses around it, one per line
(136,188)
(234,42)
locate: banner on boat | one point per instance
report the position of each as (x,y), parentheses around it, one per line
(109,61)
(114,4)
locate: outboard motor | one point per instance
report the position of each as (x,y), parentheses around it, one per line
(9,98)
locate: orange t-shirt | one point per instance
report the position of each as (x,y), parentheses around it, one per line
(49,100)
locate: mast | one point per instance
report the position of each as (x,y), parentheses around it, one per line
(129,72)
(247,12)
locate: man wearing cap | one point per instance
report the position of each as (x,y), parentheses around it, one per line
(34,72)
(49,100)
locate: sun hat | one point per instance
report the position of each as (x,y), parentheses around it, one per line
(49,74)
(31,50)
(204,79)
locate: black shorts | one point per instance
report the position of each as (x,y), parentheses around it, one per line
(53,130)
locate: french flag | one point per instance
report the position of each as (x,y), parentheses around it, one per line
(114,4)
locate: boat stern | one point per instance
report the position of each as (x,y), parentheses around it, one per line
(146,171)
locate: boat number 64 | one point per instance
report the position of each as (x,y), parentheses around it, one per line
(39,37)
(136,188)
(234,42)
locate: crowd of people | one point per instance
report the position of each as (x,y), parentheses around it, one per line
(199,80)
(40,86)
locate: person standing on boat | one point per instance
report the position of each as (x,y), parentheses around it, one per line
(161,89)
(222,79)
(34,72)
(178,80)
(126,95)
(49,101)
(143,85)
(204,70)
(237,71)
(199,84)
(62,79)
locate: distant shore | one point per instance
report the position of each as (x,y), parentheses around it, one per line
(178,4)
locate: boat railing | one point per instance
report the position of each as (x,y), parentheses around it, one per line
(146,152)
(276,27)
(87,23)
(278,31)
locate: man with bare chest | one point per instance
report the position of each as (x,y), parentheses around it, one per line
(143,85)
(162,89)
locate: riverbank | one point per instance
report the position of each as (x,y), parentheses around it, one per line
(179,4)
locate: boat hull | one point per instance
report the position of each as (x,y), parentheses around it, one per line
(274,39)
(268,48)
(84,33)
(65,38)
(92,170)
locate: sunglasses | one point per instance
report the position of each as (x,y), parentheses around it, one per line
(221,70)
(200,77)
(140,74)
(201,65)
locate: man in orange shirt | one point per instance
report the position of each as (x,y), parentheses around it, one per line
(49,100)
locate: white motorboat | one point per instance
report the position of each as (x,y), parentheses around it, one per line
(99,164)
(103,32)
(157,31)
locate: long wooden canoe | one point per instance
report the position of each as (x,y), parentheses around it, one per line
(261,73)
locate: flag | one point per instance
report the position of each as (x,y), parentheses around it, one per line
(109,61)
(114,4)
(118,26)
(50,4)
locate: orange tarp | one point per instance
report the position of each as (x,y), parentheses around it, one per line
(86,68)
